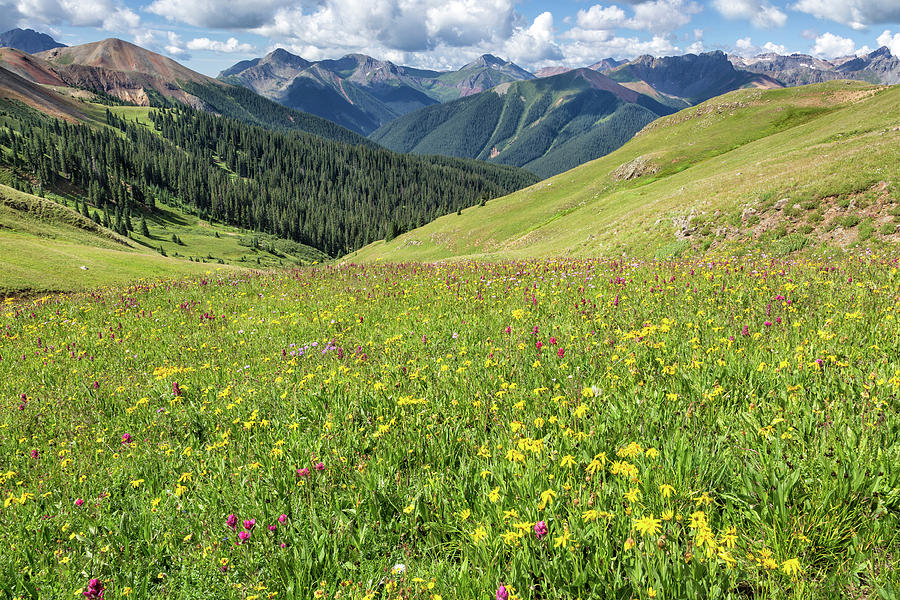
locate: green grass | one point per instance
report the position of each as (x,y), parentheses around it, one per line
(705,430)
(824,142)
(44,244)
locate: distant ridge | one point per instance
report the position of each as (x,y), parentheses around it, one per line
(878,66)
(545,125)
(361,92)
(28,40)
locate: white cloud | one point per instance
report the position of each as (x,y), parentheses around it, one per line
(174,47)
(226,14)
(746,47)
(858,14)
(229,46)
(663,16)
(696,48)
(776,48)
(536,43)
(104,14)
(585,50)
(891,41)
(759,12)
(467,22)
(829,45)
(336,26)
(599,17)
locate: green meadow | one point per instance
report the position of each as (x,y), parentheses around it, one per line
(545,429)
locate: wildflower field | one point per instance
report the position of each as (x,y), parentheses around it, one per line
(547,430)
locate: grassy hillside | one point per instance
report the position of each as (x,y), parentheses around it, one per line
(44,244)
(546,125)
(776,170)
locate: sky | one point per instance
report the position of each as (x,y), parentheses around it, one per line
(211,35)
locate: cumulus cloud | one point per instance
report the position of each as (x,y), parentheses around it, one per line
(231,45)
(746,47)
(829,45)
(584,50)
(536,43)
(467,22)
(599,17)
(858,14)
(663,16)
(759,12)
(891,41)
(225,14)
(382,25)
(104,14)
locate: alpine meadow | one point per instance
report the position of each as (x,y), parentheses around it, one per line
(482,300)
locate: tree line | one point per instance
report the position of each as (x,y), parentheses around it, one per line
(330,195)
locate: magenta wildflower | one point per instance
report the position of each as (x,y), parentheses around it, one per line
(282,518)
(126,438)
(540,529)
(231,521)
(539,345)
(249,524)
(94,589)
(273,527)
(35,454)
(320,467)
(175,389)
(79,502)
(561,353)
(502,594)
(304,472)
(552,341)
(243,536)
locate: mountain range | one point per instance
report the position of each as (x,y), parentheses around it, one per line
(121,72)
(879,66)
(363,93)
(545,125)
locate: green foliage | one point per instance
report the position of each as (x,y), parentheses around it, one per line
(865,231)
(673,249)
(848,221)
(788,244)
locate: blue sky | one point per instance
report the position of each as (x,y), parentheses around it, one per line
(209,35)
